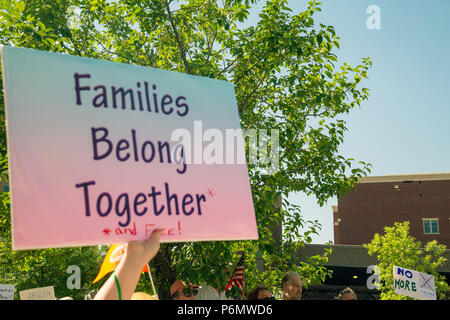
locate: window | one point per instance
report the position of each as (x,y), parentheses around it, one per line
(431,226)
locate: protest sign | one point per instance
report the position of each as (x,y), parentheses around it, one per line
(7,291)
(414,284)
(43,293)
(99,153)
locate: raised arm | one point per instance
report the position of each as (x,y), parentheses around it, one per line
(123,281)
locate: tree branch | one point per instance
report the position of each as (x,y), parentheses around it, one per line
(210,46)
(251,93)
(178,39)
(243,73)
(228,67)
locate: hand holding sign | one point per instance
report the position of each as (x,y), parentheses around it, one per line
(141,252)
(123,282)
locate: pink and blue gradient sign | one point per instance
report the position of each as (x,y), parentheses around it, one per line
(92,160)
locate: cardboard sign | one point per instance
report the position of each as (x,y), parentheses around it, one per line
(7,291)
(103,152)
(43,293)
(414,284)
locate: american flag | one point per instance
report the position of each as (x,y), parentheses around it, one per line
(237,278)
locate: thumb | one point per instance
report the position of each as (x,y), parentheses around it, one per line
(156,234)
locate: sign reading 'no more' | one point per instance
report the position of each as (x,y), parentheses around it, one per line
(414,284)
(93,160)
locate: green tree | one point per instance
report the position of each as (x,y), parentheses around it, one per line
(286,77)
(398,248)
(40,268)
(50,267)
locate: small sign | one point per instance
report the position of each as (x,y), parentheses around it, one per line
(7,291)
(414,284)
(43,293)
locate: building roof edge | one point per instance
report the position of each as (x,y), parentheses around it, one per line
(407,177)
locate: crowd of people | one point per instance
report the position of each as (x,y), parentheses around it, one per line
(121,285)
(291,284)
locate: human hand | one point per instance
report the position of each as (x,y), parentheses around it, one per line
(141,252)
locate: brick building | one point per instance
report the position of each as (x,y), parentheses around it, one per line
(376,202)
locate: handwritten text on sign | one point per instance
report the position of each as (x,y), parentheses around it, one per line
(92,159)
(414,284)
(7,291)
(43,293)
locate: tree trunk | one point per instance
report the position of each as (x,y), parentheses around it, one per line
(165,273)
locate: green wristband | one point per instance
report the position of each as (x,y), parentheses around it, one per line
(118,286)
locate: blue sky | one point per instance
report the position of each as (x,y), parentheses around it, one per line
(404,126)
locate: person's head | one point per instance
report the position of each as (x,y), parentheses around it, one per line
(91,295)
(292,286)
(347,294)
(179,291)
(260,293)
(142,296)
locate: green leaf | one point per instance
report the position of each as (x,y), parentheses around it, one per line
(20,6)
(319,39)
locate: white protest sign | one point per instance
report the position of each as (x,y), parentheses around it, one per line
(43,293)
(7,291)
(102,152)
(414,284)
